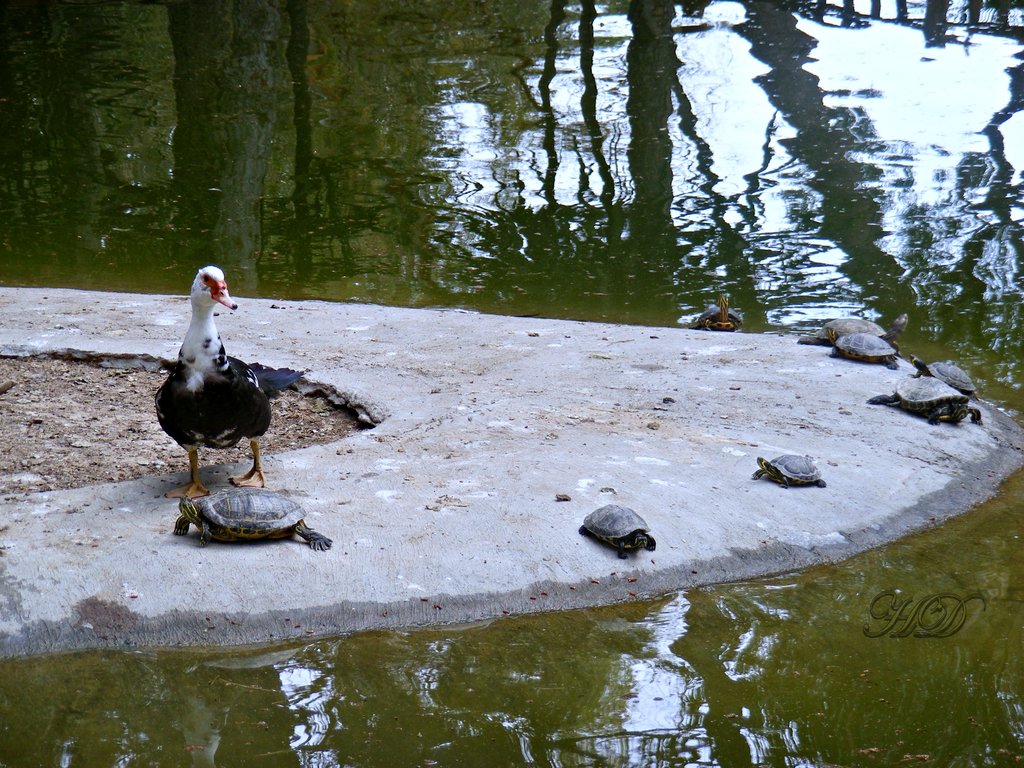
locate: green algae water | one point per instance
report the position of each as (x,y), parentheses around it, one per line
(622,162)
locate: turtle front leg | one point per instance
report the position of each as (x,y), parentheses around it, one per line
(947,412)
(195,488)
(975,415)
(254,478)
(181,526)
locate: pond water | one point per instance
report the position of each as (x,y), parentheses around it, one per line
(621,162)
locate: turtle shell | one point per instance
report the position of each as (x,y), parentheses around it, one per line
(250,511)
(923,394)
(844,326)
(947,372)
(799,469)
(614,522)
(794,469)
(618,526)
(866,347)
(246,513)
(931,398)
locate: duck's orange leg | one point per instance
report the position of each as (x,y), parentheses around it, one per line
(194,489)
(254,478)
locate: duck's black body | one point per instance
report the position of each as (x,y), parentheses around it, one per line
(210,399)
(232,403)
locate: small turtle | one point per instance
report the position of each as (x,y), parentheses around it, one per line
(844,326)
(246,513)
(719,317)
(789,469)
(947,372)
(866,348)
(619,527)
(933,399)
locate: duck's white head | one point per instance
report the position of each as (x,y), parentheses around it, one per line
(210,286)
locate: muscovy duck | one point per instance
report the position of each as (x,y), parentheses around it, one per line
(211,399)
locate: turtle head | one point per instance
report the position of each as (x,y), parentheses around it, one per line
(765,467)
(645,540)
(189,510)
(723,305)
(898,326)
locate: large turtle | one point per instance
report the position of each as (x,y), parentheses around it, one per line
(947,372)
(844,326)
(719,317)
(865,347)
(931,398)
(246,513)
(789,469)
(619,527)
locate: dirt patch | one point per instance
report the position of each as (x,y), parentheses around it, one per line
(65,424)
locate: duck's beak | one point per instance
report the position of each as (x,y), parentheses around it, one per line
(219,293)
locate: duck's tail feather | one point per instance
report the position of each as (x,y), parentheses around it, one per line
(273,380)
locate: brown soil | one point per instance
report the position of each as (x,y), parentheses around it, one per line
(65,424)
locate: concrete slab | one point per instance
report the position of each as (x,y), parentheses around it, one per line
(446,510)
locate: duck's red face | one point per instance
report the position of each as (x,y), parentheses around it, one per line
(218,290)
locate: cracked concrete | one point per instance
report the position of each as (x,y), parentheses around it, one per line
(447,509)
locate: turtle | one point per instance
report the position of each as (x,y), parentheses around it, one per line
(619,527)
(843,326)
(789,469)
(719,317)
(865,347)
(947,372)
(933,399)
(246,513)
